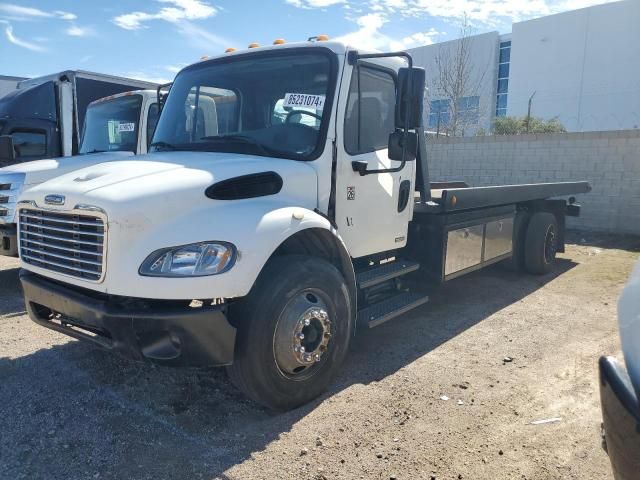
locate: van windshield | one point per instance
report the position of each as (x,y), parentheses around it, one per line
(112,125)
(273,104)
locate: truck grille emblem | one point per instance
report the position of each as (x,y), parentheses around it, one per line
(54,199)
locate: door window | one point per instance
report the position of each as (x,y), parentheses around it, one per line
(152,121)
(29,144)
(370,117)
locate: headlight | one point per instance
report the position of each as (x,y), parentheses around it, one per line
(195,260)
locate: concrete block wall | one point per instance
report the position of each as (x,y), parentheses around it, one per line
(610,161)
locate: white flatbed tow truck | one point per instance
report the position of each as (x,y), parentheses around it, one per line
(286,205)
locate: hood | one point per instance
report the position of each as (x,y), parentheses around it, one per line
(40,171)
(170,180)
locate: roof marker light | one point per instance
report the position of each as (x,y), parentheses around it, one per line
(278,41)
(230,50)
(254,45)
(322,38)
(204,57)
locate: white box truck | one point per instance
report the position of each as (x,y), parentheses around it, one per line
(287,205)
(115,128)
(43,117)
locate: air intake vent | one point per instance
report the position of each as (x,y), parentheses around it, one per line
(246,186)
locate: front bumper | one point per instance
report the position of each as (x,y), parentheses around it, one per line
(135,328)
(621,419)
(8,240)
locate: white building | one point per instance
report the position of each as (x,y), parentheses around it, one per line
(7,84)
(581,67)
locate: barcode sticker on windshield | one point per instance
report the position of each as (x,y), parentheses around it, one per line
(304,100)
(126,127)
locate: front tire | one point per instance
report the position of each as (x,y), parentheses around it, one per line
(541,243)
(294,329)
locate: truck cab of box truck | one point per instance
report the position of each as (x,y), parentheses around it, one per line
(273,216)
(43,117)
(115,128)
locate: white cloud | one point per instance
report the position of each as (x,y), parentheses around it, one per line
(368,36)
(179,10)
(418,39)
(481,12)
(314,3)
(77,31)
(18,12)
(22,43)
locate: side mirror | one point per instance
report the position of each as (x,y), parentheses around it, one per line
(396,143)
(7,152)
(410,97)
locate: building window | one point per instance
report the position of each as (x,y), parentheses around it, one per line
(468,112)
(438,114)
(503,78)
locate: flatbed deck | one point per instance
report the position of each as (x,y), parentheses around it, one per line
(471,198)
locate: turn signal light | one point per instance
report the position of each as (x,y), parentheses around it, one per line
(254,45)
(278,41)
(229,50)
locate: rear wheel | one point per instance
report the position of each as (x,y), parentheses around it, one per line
(541,243)
(293,332)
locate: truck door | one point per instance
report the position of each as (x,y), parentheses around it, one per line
(373,210)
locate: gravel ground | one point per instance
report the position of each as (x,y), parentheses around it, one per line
(69,411)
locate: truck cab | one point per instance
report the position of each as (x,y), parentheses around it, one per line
(286,205)
(43,117)
(115,128)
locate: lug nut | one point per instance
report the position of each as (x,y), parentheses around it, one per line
(296,349)
(301,349)
(317,357)
(301,336)
(307,322)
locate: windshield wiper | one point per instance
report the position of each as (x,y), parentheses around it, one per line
(93,151)
(163,146)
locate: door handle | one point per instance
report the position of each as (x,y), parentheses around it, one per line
(360,166)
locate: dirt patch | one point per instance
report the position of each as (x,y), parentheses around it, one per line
(502,349)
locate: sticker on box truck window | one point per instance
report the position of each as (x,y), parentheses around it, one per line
(297,100)
(126,127)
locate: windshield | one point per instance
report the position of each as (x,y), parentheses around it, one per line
(112,125)
(33,102)
(275,104)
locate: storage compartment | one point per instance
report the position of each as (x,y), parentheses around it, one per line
(464,249)
(450,245)
(498,238)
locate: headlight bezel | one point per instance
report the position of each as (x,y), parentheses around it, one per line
(145,267)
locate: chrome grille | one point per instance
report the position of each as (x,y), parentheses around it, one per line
(71,243)
(10,188)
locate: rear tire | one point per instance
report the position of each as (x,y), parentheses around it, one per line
(293,334)
(541,243)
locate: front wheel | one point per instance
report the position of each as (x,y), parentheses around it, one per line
(294,329)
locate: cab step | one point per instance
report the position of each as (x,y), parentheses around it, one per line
(381,273)
(380,312)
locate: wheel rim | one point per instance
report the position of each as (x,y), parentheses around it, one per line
(550,245)
(303,334)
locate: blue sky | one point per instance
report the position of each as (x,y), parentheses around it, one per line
(153,39)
